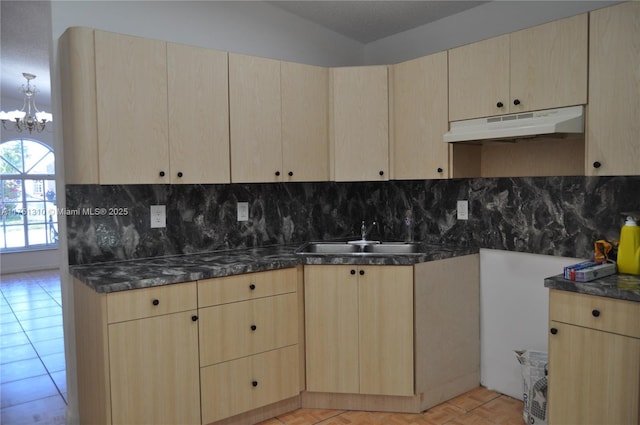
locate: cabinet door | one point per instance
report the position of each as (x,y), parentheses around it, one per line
(594,377)
(131,86)
(420,118)
(305,122)
(360,123)
(549,65)
(331,324)
(255,119)
(614,83)
(154,370)
(198,114)
(386,330)
(479,79)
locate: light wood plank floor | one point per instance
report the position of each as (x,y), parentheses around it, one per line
(479,406)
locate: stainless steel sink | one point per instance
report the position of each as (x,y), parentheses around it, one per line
(328,248)
(360,248)
(393,248)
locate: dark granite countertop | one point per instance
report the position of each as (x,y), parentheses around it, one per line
(148,272)
(619,286)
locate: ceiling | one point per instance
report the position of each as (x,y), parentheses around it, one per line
(368,21)
(26,30)
(25,33)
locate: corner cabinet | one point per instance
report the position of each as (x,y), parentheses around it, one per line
(536,68)
(419,118)
(614,83)
(359,123)
(594,360)
(371,342)
(279,120)
(359,323)
(121,95)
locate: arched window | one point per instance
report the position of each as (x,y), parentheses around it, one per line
(27,196)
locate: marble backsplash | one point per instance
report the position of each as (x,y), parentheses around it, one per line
(545,215)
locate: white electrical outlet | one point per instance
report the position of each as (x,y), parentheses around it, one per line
(243,211)
(158,216)
(463,210)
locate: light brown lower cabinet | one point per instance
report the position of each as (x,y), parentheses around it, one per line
(359,322)
(249,351)
(154,373)
(594,360)
(231,350)
(137,355)
(391,338)
(240,385)
(152,356)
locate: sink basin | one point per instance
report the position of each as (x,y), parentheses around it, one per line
(393,248)
(347,248)
(328,248)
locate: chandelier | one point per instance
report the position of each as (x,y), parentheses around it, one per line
(29,117)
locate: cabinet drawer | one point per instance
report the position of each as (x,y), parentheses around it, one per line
(240,329)
(241,385)
(247,286)
(606,314)
(148,302)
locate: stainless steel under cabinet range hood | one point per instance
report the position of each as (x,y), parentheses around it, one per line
(516,126)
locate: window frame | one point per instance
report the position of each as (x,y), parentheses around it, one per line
(34,212)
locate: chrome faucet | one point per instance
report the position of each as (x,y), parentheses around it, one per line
(364,230)
(408,225)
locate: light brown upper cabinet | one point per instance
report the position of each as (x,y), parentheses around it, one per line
(131,93)
(142,111)
(198,114)
(479,79)
(359,123)
(419,117)
(255,119)
(537,68)
(305,122)
(613,115)
(279,120)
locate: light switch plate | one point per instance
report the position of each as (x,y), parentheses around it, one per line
(463,210)
(158,216)
(243,211)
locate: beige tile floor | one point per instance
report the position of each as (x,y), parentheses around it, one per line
(32,371)
(32,362)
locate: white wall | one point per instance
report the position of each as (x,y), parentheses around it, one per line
(18,262)
(248,27)
(514,313)
(482,22)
